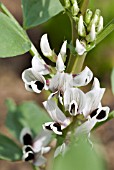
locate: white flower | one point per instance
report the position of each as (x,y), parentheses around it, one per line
(60,150)
(45,47)
(100,25)
(93,111)
(74,101)
(80,49)
(33,149)
(60,121)
(99,115)
(63,49)
(81,27)
(83,78)
(92,33)
(33,77)
(93,98)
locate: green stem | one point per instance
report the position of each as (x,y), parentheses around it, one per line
(79,63)
(72,57)
(84,6)
(34,167)
(22,31)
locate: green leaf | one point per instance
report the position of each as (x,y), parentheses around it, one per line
(112,80)
(13,41)
(27,114)
(105,32)
(36,12)
(9,150)
(79,156)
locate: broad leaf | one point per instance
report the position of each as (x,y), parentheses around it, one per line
(79,156)
(9,150)
(27,114)
(112,80)
(36,12)
(13,41)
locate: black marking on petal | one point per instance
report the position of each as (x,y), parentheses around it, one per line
(93,113)
(48,127)
(40,85)
(30,156)
(27,139)
(101,115)
(58,126)
(72,110)
(30,86)
(28,148)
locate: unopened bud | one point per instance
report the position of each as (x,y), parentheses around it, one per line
(67,3)
(96,17)
(80,47)
(75,9)
(100,25)
(92,35)
(88,16)
(81,27)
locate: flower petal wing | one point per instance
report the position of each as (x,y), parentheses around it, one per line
(83,78)
(45,47)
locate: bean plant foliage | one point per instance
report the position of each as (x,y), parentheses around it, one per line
(58,136)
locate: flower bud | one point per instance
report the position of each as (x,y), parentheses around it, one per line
(88,16)
(100,25)
(81,27)
(92,35)
(74,8)
(80,48)
(96,17)
(67,3)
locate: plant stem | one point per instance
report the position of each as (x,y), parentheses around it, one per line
(84,6)
(34,167)
(72,57)
(79,63)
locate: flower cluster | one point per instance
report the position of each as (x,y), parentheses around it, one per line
(88,25)
(80,111)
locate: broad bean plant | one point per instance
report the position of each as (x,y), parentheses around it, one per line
(58,136)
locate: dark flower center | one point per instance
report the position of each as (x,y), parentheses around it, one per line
(101,115)
(27,139)
(58,126)
(29,157)
(93,113)
(40,85)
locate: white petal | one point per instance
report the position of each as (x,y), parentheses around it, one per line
(93,99)
(41,140)
(39,160)
(25,131)
(63,49)
(45,150)
(83,78)
(96,83)
(86,127)
(92,33)
(55,113)
(74,96)
(45,47)
(28,87)
(60,150)
(55,129)
(28,76)
(38,65)
(39,84)
(100,25)
(102,114)
(80,49)
(60,64)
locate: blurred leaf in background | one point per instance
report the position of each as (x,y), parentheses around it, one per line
(80,156)
(112,80)
(27,114)
(36,12)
